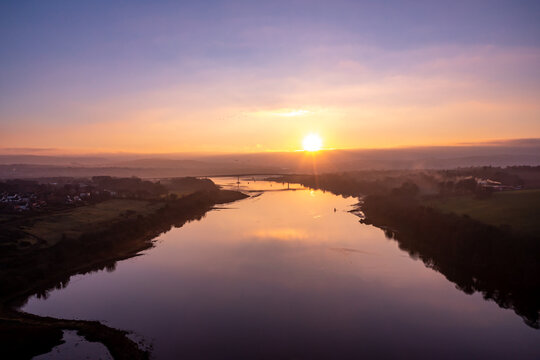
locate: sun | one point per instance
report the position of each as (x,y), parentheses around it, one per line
(312,142)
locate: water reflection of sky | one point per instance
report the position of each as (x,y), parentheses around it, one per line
(253,184)
(76,347)
(283,275)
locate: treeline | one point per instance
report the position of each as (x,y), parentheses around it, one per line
(344,184)
(130,185)
(39,196)
(501,264)
(473,255)
(527,176)
(384,182)
(190,184)
(35,271)
(478,181)
(29,197)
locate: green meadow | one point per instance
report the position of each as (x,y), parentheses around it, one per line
(74,222)
(519,209)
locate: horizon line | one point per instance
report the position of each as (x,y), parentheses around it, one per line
(67,152)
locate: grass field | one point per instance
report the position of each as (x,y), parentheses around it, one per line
(76,221)
(519,209)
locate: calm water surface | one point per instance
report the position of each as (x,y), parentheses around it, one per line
(283,275)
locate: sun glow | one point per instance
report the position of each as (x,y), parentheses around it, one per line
(312,142)
(291,113)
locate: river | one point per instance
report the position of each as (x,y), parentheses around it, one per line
(289,274)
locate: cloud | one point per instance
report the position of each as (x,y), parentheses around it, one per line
(351,93)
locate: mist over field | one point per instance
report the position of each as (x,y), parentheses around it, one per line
(502,153)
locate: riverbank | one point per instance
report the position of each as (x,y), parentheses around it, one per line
(37,270)
(518,209)
(501,262)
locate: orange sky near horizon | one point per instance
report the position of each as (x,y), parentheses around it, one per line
(256,78)
(284,130)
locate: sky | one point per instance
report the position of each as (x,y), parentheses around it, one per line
(251,76)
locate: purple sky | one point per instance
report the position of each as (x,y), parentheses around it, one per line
(249,76)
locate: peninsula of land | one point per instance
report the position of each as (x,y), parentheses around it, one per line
(52,229)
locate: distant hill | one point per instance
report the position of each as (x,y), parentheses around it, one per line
(52,160)
(502,153)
